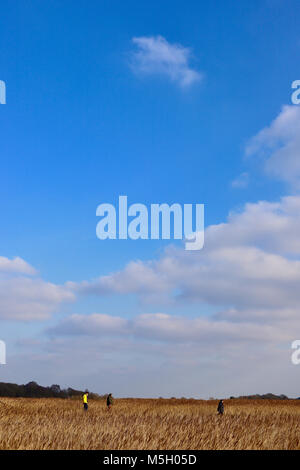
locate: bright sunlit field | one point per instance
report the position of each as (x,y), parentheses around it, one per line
(149,424)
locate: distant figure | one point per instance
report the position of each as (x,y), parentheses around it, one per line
(220,408)
(85,401)
(109,401)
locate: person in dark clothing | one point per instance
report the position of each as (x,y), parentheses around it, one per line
(109,401)
(220,408)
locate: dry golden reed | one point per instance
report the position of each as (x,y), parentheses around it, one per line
(149,424)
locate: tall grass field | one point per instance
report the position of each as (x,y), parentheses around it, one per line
(149,424)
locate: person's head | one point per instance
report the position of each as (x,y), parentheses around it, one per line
(86,392)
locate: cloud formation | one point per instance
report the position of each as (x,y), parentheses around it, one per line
(221,328)
(248,271)
(25,297)
(145,355)
(279,146)
(15,265)
(154,55)
(249,262)
(90,325)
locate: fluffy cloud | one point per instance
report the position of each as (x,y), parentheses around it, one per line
(24,296)
(270,226)
(155,55)
(248,262)
(137,277)
(249,271)
(16,265)
(279,146)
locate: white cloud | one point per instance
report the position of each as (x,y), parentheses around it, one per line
(221,328)
(15,265)
(155,55)
(270,226)
(145,355)
(248,270)
(137,277)
(27,298)
(279,146)
(94,324)
(125,365)
(250,262)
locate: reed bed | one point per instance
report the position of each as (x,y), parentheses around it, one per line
(149,424)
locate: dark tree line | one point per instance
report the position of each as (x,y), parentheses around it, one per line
(34,390)
(266,396)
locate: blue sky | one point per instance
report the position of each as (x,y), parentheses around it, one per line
(91,115)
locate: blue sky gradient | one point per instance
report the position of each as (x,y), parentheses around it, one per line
(82,126)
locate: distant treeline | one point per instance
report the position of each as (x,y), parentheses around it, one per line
(266,396)
(34,390)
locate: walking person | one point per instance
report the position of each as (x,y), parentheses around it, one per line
(109,401)
(85,400)
(220,408)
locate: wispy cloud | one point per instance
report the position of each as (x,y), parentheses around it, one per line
(155,55)
(163,327)
(241,181)
(25,297)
